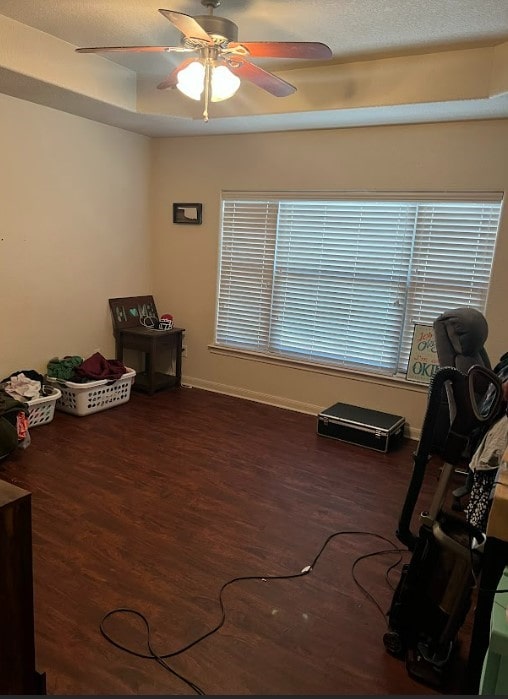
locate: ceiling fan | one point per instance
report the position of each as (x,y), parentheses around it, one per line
(222,60)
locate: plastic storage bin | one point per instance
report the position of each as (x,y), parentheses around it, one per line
(93,396)
(494,679)
(42,410)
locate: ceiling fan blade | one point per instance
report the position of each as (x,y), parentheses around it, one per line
(134,49)
(285,49)
(262,78)
(172,78)
(187,25)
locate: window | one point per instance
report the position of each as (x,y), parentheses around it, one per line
(341,281)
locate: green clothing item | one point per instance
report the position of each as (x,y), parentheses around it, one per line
(63,368)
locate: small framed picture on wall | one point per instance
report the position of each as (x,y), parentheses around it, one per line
(188,213)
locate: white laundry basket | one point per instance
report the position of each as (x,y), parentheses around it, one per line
(93,396)
(42,410)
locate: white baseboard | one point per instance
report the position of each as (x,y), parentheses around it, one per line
(268,399)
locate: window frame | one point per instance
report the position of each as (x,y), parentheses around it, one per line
(371,196)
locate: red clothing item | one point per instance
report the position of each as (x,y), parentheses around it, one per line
(21,425)
(98,367)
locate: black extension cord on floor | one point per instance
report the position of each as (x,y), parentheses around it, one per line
(306,570)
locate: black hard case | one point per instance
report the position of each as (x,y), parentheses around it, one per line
(367,428)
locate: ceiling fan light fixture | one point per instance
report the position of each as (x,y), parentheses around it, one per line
(191,80)
(224,83)
(215,39)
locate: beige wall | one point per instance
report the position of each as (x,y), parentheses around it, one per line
(452,156)
(78,200)
(74,232)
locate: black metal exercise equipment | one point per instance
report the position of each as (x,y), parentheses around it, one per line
(433,595)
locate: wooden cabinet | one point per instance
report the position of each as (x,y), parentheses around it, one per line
(17,642)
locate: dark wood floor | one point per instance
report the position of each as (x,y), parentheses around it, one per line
(156,503)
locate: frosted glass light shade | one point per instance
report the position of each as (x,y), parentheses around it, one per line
(191,80)
(224,83)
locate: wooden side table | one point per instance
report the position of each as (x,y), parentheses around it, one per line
(153,343)
(127,314)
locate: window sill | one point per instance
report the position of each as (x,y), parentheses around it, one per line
(301,365)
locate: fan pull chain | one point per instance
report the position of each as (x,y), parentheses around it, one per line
(208,78)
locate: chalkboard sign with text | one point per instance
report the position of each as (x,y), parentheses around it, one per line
(423,362)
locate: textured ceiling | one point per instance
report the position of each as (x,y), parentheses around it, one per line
(368,80)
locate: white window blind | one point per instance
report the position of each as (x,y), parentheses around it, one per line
(341,281)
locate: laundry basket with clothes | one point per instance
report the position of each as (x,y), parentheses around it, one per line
(91,384)
(29,387)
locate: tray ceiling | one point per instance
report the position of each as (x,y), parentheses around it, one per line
(394,61)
